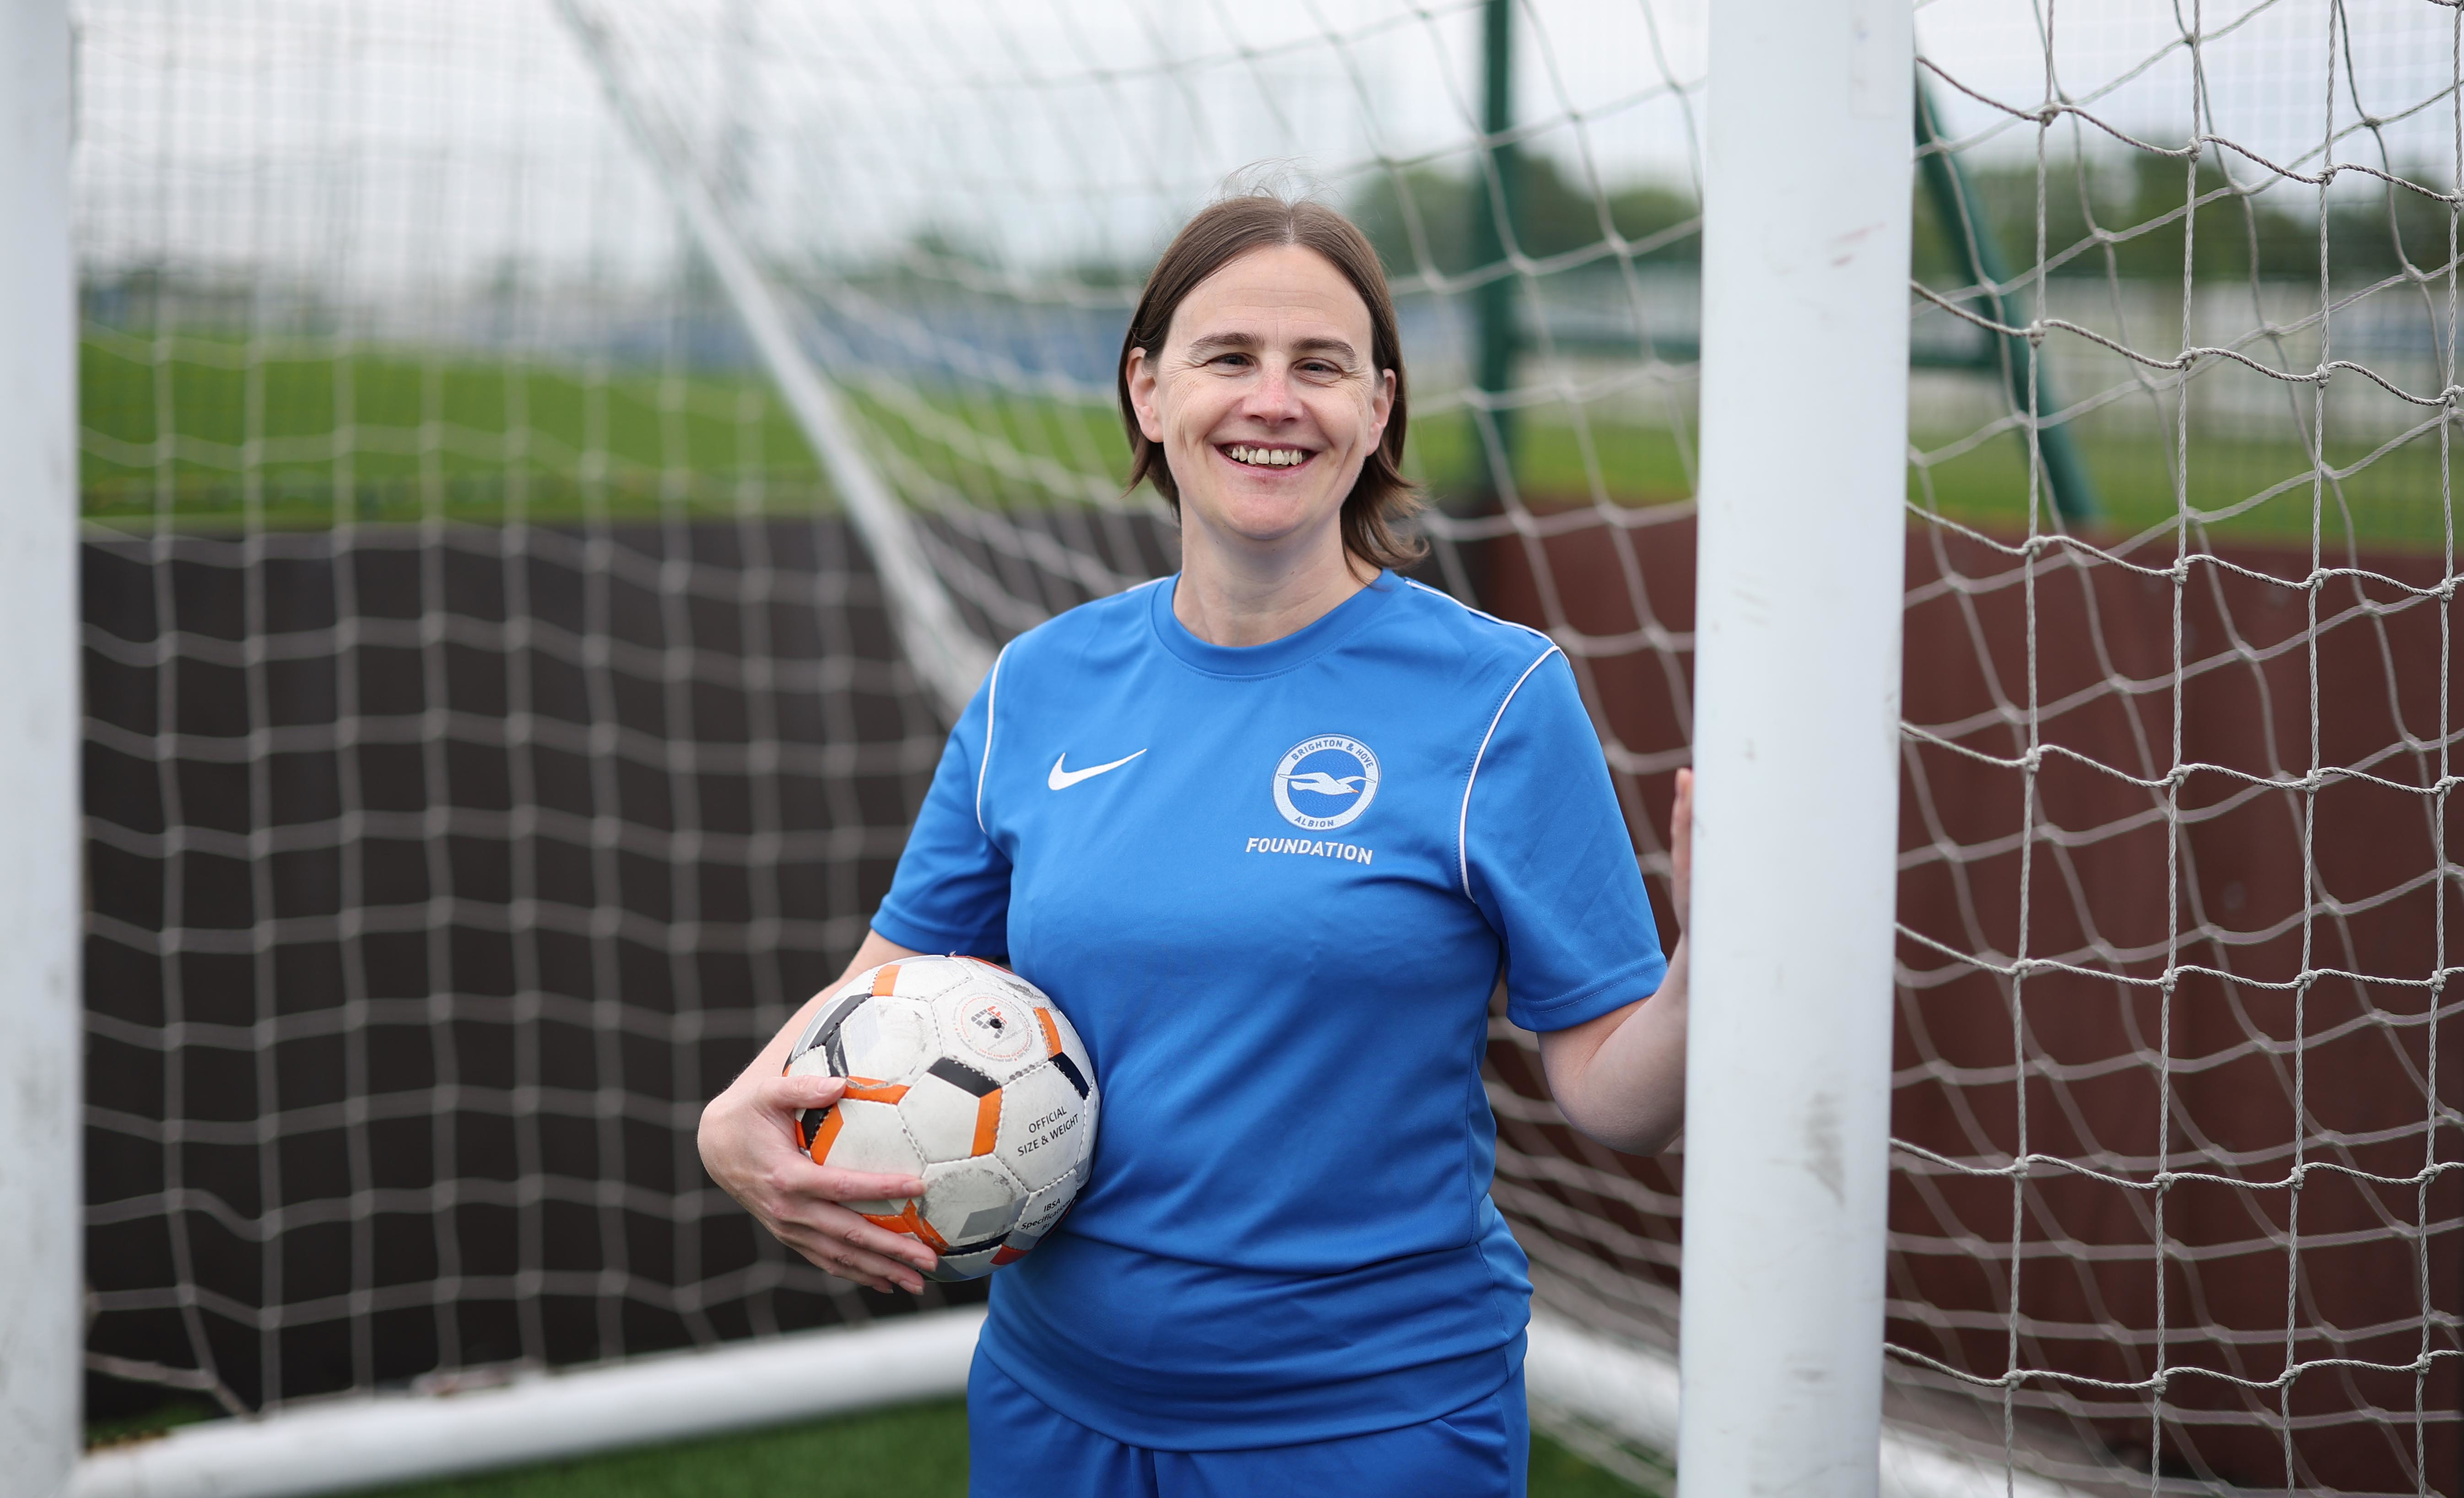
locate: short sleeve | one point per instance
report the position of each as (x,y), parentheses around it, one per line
(951,892)
(1547,859)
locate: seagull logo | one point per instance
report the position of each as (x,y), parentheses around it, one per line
(1335,766)
(1326,785)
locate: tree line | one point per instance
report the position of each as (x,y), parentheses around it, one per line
(2119,215)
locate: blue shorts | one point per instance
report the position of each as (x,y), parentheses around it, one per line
(1020,1449)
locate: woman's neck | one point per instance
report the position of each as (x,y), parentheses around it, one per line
(1239,596)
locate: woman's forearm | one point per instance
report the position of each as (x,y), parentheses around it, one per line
(1622,1078)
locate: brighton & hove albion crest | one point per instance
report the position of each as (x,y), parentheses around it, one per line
(1325,781)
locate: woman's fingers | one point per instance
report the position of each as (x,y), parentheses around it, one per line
(832,1184)
(744,1128)
(866,1237)
(842,1242)
(814,1200)
(793,1094)
(1681,846)
(812,1196)
(800,1199)
(849,1262)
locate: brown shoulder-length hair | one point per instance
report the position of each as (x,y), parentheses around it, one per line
(1377,513)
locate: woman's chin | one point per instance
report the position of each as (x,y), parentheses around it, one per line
(1273,526)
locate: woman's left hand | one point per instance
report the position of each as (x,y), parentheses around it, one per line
(1681,851)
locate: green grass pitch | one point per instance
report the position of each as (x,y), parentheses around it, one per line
(305,436)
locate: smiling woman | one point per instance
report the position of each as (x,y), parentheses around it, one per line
(1285,1271)
(1261,385)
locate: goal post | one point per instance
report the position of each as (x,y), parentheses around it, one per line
(1799,566)
(39,855)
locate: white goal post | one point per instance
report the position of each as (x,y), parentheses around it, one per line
(41,854)
(336,1446)
(1796,741)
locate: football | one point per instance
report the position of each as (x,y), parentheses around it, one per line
(963,1073)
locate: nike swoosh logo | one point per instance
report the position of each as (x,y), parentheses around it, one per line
(1062,780)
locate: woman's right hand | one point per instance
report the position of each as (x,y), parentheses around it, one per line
(1681,849)
(748,1145)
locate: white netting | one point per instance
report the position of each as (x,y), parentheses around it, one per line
(498,724)
(494,723)
(2180,1164)
(2177,1202)
(492,731)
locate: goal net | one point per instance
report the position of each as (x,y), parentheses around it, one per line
(547,466)
(2179,1165)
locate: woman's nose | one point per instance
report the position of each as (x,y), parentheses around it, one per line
(1272,396)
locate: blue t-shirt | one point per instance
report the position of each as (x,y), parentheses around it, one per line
(1273,888)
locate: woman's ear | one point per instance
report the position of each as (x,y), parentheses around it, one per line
(1382,406)
(1142,395)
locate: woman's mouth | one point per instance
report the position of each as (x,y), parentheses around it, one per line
(1249,455)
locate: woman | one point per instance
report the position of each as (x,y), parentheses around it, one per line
(1268,832)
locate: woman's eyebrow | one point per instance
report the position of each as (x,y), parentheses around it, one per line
(1213,343)
(1222,344)
(1335,346)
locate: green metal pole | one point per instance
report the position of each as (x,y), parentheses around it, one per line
(1971,232)
(1495,195)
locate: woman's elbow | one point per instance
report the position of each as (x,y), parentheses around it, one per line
(1631,1125)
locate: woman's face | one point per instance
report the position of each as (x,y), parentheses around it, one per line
(1265,398)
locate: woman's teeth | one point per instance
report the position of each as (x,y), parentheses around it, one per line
(1267,458)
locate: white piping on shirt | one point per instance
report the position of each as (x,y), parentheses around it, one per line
(1462,827)
(1462,823)
(992,700)
(1482,613)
